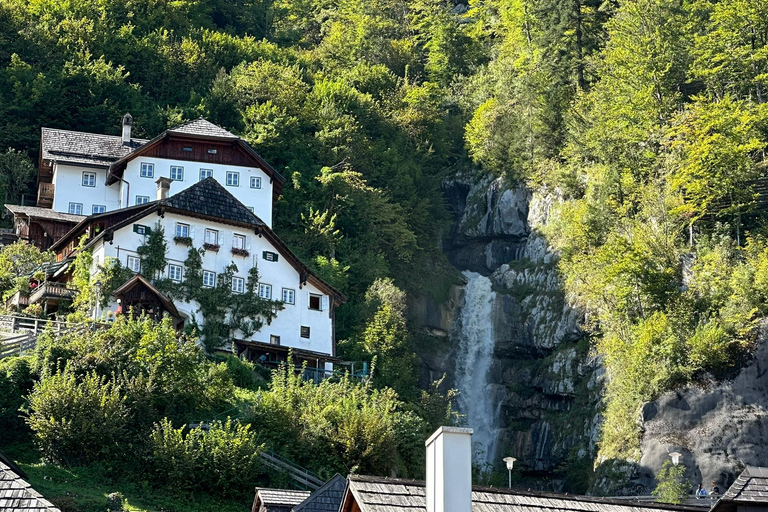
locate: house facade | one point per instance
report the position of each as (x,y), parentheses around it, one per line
(206,217)
(85,174)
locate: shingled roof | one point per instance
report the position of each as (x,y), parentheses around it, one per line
(43,213)
(16,495)
(376,494)
(750,488)
(209,199)
(326,499)
(203,127)
(277,499)
(82,148)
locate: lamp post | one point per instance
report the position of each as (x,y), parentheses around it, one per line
(675,457)
(510,464)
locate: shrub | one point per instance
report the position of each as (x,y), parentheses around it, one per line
(77,421)
(222,458)
(241,371)
(16,379)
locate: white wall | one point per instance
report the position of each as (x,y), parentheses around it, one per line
(68,188)
(259,199)
(280,274)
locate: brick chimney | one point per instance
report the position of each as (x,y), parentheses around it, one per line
(163,187)
(449,470)
(127,123)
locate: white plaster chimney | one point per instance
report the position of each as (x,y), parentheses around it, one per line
(163,187)
(127,123)
(449,470)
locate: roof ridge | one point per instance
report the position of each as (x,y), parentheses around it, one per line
(48,128)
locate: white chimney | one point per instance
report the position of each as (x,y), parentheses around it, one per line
(449,470)
(163,187)
(127,122)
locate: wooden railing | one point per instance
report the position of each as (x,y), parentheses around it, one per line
(301,476)
(45,194)
(17,345)
(24,331)
(51,290)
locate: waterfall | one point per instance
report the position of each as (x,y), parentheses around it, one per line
(473,363)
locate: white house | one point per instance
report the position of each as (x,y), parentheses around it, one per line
(84,173)
(209,214)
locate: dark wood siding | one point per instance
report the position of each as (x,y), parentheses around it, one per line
(227,153)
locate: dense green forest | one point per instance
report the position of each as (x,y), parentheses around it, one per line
(646,117)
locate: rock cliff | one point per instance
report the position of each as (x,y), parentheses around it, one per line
(546,381)
(543,377)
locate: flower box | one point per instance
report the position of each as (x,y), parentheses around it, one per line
(183,240)
(211,247)
(240,252)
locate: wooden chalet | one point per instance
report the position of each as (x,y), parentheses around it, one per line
(138,295)
(41,227)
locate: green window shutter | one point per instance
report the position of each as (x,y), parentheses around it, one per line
(269,256)
(141,229)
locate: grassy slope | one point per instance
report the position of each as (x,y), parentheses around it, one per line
(85,489)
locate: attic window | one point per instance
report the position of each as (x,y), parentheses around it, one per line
(187,149)
(212,151)
(304,331)
(269,256)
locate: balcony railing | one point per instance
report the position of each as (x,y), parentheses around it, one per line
(51,291)
(45,195)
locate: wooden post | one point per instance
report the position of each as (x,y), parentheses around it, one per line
(13,324)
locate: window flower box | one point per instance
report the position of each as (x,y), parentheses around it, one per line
(240,252)
(183,240)
(211,247)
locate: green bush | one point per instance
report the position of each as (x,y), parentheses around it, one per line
(16,379)
(241,371)
(222,458)
(77,421)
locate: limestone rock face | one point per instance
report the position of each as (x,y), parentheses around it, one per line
(545,380)
(719,427)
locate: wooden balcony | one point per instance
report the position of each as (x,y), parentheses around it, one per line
(18,300)
(45,195)
(52,293)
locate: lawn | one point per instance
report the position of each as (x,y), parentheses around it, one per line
(85,489)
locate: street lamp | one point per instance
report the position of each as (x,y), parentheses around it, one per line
(675,457)
(510,464)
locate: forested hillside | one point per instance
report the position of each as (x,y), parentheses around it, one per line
(646,117)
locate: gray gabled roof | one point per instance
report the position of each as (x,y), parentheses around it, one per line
(82,148)
(276,497)
(377,494)
(203,127)
(326,499)
(751,486)
(209,199)
(16,495)
(43,213)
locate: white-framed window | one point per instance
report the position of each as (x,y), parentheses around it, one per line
(89,179)
(142,199)
(212,236)
(315,302)
(134,264)
(205,173)
(289,296)
(99,208)
(255,182)
(209,278)
(147,170)
(305,331)
(174,273)
(182,230)
(238,284)
(177,173)
(233,179)
(265,291)
(238,242)
(75,208)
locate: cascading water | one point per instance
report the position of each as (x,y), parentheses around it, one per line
(473,363)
